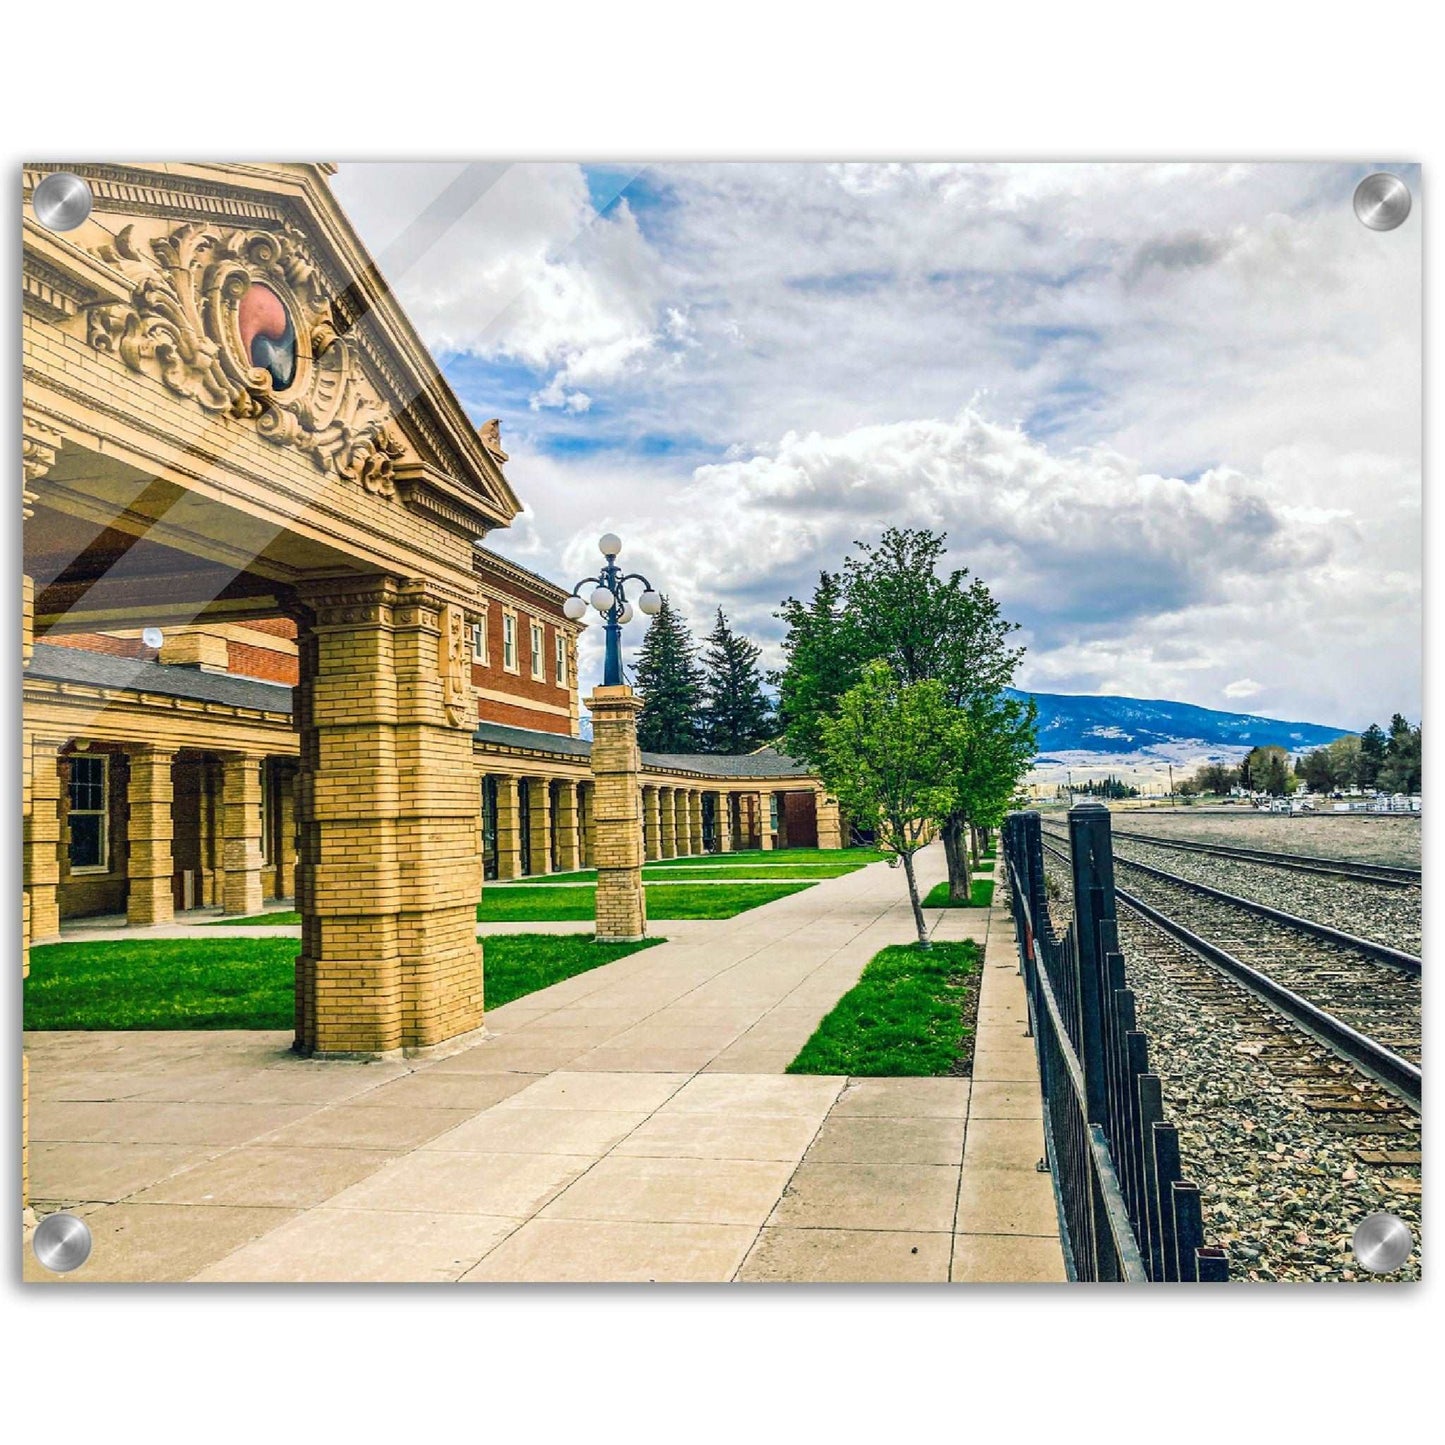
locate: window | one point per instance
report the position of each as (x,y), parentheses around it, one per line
(509,641)
(539,656)
(480,650)
(561,642)
(89,814)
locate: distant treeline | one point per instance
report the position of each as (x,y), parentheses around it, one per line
(1388,762)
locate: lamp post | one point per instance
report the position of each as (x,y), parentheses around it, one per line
(607,592)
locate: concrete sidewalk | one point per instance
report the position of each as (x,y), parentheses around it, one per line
(632,1123)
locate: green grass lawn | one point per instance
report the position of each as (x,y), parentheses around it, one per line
(247,983)
(664,900)
(701,870)
(981,892)
(910,1014)
(784,858)
(567,904)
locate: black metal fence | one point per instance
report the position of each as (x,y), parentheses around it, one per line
(1127,1211)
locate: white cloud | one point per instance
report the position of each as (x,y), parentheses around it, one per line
(1171,413)
(1242,687)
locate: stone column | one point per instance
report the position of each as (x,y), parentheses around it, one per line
(286,833)
(540,820)
(40,443)
(509,828)
(683,822)
(569,842)
(694,801)
(616,763)
(667,824)
(241,832)
(724,816)
(767,838)
(389,873)
(651,824)
(44,838)
(150,828)
(587,805)
(830,823)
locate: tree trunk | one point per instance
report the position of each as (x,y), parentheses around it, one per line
(913,899)
(955,850)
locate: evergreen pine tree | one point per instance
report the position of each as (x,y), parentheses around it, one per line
(670,681)
(736,717)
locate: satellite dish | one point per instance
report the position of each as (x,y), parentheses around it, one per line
(153,637)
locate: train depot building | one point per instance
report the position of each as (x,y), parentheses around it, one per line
(268,653)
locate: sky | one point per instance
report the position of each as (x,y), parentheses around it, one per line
(1170,413)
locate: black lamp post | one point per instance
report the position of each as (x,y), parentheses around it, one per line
(608,594)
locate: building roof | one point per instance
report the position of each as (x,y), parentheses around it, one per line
(126,674)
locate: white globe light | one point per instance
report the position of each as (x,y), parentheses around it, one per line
(573,608)
(152,637)
(650,602)
(609,544)
(603,600)
(625,616)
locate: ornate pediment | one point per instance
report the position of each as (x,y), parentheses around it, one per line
(240,321)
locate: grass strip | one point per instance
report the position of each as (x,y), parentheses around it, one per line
(981,895)
(248,983)
(911,1014)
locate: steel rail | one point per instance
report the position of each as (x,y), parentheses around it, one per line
(1372,1058)
(1387,873)
(1381,952)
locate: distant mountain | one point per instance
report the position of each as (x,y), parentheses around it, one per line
(1078,724)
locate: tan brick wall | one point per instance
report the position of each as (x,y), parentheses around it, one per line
(149,864)
(616,767)
(390,870)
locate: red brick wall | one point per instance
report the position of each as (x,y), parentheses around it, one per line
(512,716)
(97,642)
(275,626)
(245,659)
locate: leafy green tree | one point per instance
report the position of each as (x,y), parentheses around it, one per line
(736,715)
(670,681)
(997,748)
(889,756)
(1346,761)
(822,664)
(892,602)
(1401,770)
(1373,747)
(1267,770)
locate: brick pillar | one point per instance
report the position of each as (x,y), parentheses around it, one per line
(241,832)
(149,829)
(830,823)
(694,802)
(286,833)
(540,818)
(616,763)
(667,824)
(682,823)
(587,805)
(390,870)
(651,824)
(44,838)
(509,828)
(569,841)
(724,816)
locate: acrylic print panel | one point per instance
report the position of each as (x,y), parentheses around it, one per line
(722,722)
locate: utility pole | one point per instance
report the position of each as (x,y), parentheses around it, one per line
(1173,801)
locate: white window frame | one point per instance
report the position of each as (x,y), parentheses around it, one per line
(559,650)
(510,661)
(102,812)
(538,637)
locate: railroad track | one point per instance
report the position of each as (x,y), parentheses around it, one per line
(1358,997)
(1384,873)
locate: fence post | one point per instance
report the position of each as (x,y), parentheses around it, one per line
(1093,865)
(1188,1229)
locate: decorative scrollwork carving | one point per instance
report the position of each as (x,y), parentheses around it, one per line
(181,326)
(454,666)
